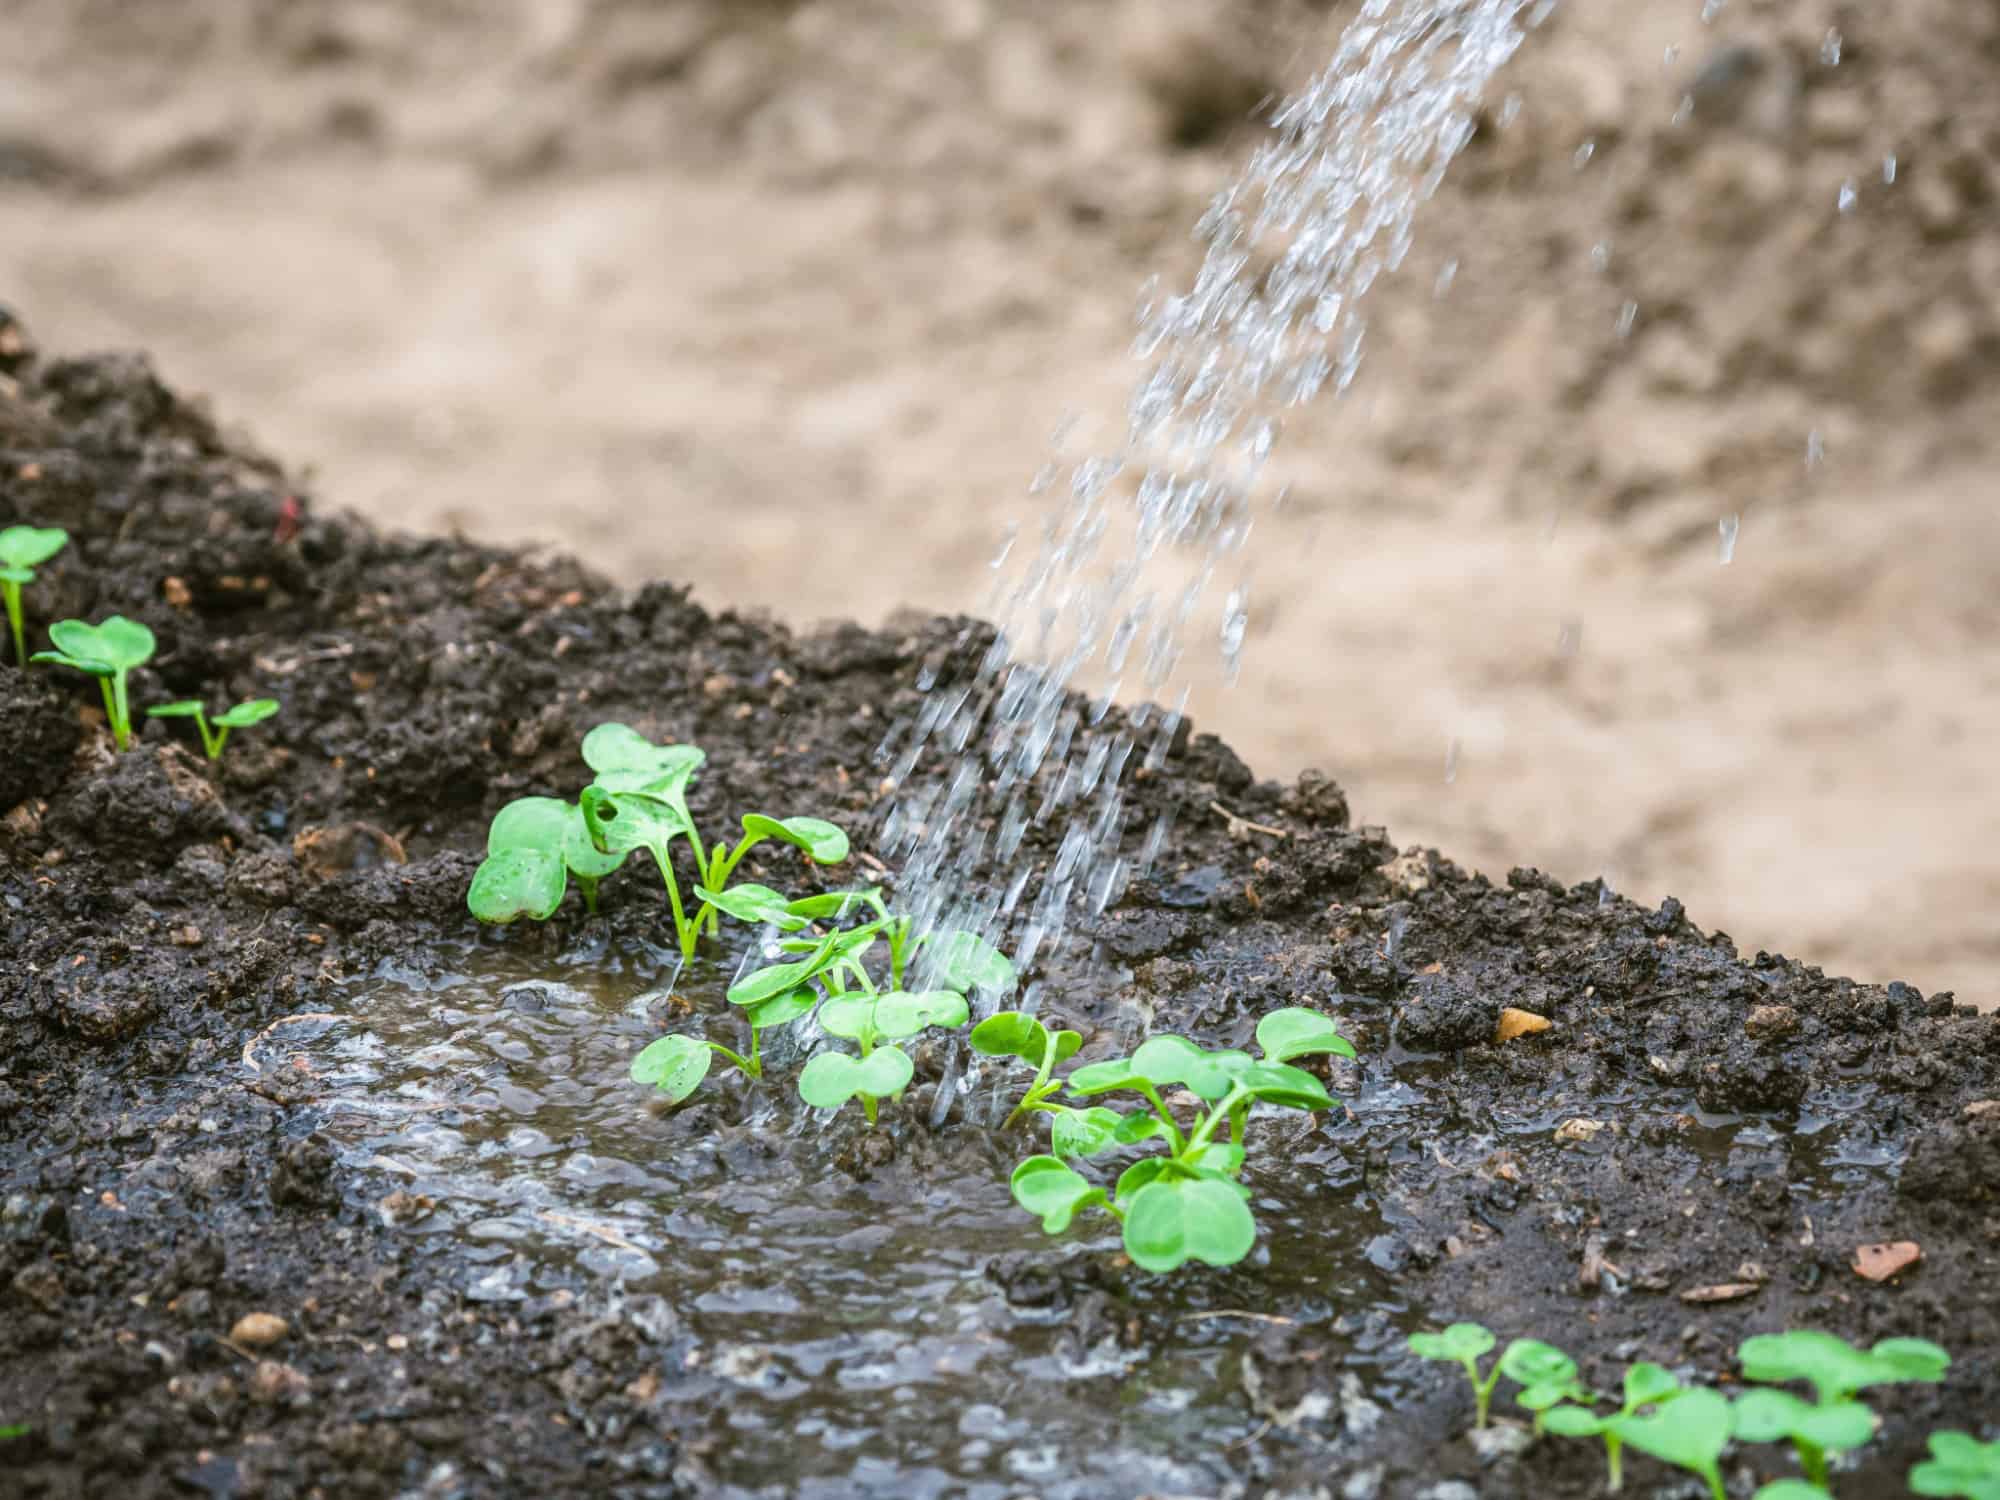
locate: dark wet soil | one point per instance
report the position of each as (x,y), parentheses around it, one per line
(169,1160)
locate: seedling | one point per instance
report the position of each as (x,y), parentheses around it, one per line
(1790,1489)
(1959,1465)
(676,1065)
(22,548)
(1646,1385)
(1768,1416)
(1188,1204)
(1464,1343)
(1834,1368)
(1013,1033)
(107,652)
(533,846)
(1546,1375)
(215,733)
(1688,1432)
(639,801)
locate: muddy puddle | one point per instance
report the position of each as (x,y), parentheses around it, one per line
(870,1336)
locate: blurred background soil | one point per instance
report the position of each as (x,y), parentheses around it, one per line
(786,300)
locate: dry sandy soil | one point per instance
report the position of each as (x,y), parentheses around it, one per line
(786,299)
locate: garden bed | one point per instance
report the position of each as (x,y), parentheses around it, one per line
(255,1057)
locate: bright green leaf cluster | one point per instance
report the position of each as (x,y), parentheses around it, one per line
(22,550)
(636,802)
(1187,1204)
(1690,1427)
(1959,1465)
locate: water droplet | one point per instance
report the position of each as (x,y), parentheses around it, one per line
(1684,111)
(1510,110)
(1451,761)
(1580,158)
(1710,9)
(1447,274)
(1889,167)
(1600,256)
(1627,316)
(1726,546)
(1672,55)
(1849,196)
(1829,47)
(1815,449)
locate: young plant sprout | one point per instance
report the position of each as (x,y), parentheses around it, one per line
(1013,1033)
(1959,1465)
(1836,1370)
(1646,1385)
(1688,1432)
(107,652)
(1188,1204)
(533,846)
(676,1065)
(215,733)
(1464,1343)
(639,801)
(1546,1375)
(22,549)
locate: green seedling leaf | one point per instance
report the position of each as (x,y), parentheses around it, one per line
(26,547)
(900,1013)
(530,823)
(781,1010)
(1790,1489)
(1173,1220)
(1052,1192)
(1083,1132)
(1688,1432)
(675,1065)
(620,822)
(777,979)
(1648,1384)
(832,1078)
(1769,1416)
(1009,1033)
(1139,1127)
(1459,1342)
(1575,1421)
(1298,1032)
(14,1430)
(186,708)
(517,883)
(850,1017)
(1280,1083)
(967,961)
(1531,1362)
(16,576)
(831,904)
(626,761)
(1174,1059)
(243,715)
(1104,1077)
(823,842)
(118,643)
(755,903)
(1959,1465)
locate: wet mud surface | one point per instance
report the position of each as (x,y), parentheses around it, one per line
(255,1057)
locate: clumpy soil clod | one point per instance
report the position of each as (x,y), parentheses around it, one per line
(1693,1151)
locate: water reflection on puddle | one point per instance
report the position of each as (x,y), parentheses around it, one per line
(852,1322)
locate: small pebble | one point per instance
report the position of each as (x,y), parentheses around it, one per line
(259,1330)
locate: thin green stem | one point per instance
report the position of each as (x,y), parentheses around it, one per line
(1225,1108)
(12,593)
(1173,1131)
(868,1106)
(1034,1095)
(682,928)
(1713,1475)
(589,888)
(1482,1389)
(119,734)
(756,1068)
(747,1065)
(124,716)
(1614,1454)
(1812,1459)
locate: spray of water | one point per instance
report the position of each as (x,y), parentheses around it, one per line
(1274,317)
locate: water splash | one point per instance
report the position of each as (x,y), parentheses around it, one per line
(1274,318)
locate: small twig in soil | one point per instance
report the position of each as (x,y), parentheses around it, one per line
(1235,822)
(1236,1312)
